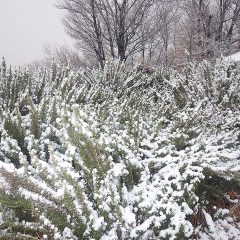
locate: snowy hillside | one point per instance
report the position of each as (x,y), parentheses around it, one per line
(117,154)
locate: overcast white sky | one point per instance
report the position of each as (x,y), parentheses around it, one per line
(25,26)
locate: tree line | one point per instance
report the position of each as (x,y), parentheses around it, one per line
(167,32)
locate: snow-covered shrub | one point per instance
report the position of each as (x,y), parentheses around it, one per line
(218,84)
(115,154)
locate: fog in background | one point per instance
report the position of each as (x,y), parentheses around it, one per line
(26,26)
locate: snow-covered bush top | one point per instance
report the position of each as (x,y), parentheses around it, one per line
(113,154)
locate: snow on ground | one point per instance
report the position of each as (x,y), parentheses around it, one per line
(222,229)
(233,58)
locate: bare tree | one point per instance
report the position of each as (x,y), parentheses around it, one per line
(60,54)
(214,27)
(64,55)
(106,28)
(83,24)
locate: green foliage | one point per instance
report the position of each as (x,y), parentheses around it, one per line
(214,187)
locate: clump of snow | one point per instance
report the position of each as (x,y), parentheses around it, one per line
(233,58)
